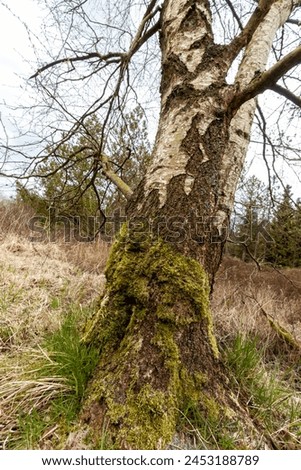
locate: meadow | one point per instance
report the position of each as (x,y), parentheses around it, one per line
(48,291)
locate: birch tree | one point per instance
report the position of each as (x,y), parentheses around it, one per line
(157,349)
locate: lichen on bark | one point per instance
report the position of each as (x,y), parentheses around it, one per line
(156,344)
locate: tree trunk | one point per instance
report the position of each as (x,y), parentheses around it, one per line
(158,354)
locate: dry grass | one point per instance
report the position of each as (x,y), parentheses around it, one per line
(257,316)
(38,283)
(16,221)
(243,295)
(20,396)
(14,218)
(89,257)
(40,280)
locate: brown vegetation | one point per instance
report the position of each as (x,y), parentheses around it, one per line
(244,295)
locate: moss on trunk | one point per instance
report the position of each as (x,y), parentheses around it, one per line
(157,348)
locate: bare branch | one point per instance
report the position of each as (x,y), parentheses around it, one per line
(247,32)
(150,32)
(114,178)
(142,35)
(85,57)
(282,333)
(247,250)
(234,13)
(263,128)
(293,21)
(287,94)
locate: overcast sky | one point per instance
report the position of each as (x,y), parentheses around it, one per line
(16,53)
(15,47)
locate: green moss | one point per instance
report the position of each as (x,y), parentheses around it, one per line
(213,410)
(153,294)
(283,334)
(131,268)
(156,422)
(164,339)
(214,426)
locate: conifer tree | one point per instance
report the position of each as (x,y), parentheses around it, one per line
(285,231)
(70,188)
(251,217)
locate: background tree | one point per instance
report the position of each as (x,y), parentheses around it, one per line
(252,213)
(263,229)
(67,185)
(285,231)
(154,331)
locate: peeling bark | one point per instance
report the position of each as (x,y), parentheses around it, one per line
(203,137)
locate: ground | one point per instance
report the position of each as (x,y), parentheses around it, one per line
(48,294)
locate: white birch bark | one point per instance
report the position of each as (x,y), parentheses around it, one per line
(255,60)
(170,159)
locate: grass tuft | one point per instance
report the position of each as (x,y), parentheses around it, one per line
(69,357)
(46,393)
(272,400)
